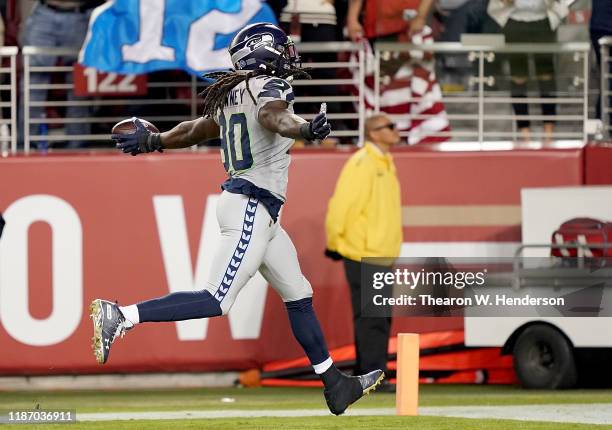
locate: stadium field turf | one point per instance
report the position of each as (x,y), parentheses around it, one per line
(318,423)
(228,399)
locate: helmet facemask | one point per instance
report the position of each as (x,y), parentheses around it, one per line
(288,59)
(291,54)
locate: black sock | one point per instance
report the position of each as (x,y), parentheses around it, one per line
(307,330)
(183,305)
(331,376)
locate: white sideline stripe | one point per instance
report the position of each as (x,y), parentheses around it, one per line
(587,413)
(593,413)
(230,413)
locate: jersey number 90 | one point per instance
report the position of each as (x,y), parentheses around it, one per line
(235,143)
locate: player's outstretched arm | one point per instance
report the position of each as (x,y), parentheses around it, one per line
(277,118)
(185,134)
(190,133)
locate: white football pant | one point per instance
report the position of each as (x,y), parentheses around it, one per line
(251,241)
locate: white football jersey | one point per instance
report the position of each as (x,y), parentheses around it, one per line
(248,150)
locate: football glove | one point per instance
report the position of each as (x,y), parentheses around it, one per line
(142,140)
(317,129)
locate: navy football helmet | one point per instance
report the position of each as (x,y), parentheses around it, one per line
(263,45)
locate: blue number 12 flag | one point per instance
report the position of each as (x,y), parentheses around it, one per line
(140,36)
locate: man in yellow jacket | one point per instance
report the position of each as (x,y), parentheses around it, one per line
(364,220)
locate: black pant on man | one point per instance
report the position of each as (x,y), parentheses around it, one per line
(372,324)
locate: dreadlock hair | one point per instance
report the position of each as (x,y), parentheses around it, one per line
(215,95)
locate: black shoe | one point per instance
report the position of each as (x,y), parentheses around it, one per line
(109,323)
(349,389)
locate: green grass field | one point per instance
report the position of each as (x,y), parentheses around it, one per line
(296,398)
(319,423)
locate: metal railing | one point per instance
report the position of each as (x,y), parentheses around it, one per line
(194,85)
(354,68)
(121,104)
(606,85)
(480,112)
(485,101)
(8,100)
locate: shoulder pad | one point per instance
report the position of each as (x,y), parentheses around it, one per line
(276,88)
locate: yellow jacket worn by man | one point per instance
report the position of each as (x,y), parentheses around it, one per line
(364,214)
(364,220)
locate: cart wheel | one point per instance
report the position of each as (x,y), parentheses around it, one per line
(544,358)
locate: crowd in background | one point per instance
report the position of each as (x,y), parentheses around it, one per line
(520,21)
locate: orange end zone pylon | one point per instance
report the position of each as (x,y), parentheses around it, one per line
(407,397)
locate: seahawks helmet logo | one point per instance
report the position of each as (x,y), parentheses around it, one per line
(260,40)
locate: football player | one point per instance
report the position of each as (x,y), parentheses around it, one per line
(251,110)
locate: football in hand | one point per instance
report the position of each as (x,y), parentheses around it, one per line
(128,126)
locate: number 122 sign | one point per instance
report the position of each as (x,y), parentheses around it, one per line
(91,82)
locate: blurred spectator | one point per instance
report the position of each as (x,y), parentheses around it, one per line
(364,220)
(458,17)
(25,7)
(57,23)
(463,16)
(315,21)
(526,21)
(388,20)
(310,20)
(601,26)
(277,7)
(409,89)
(409,85)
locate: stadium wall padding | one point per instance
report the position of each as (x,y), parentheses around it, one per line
(106,211)
(598,164)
